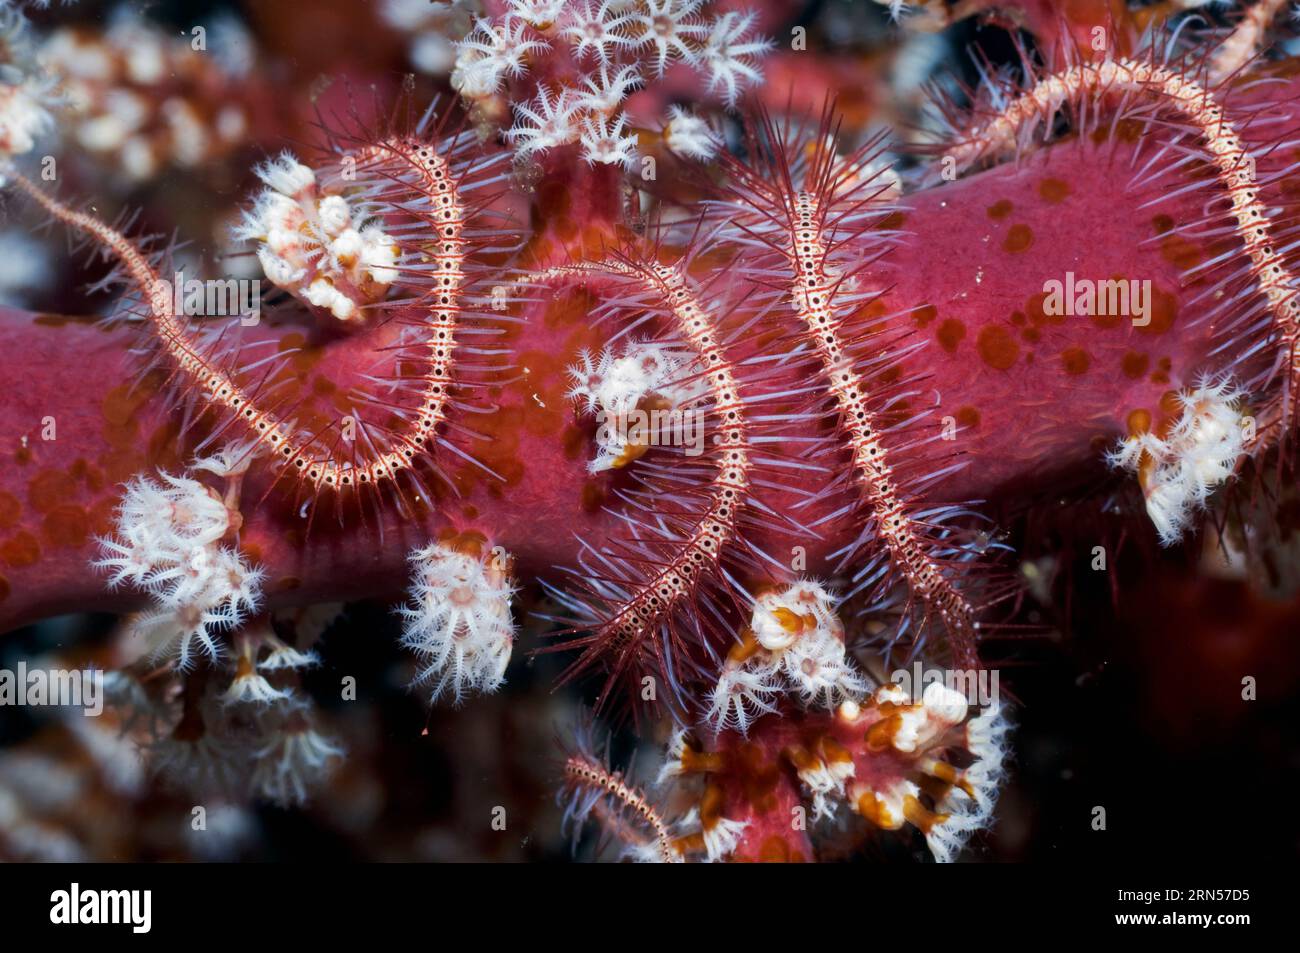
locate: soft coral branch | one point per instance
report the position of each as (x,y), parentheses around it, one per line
(1034,395)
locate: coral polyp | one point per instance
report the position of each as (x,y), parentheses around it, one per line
(749,394)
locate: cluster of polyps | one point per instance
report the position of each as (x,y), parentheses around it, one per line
(143,99)
(22,119)
(168,544)
(795,641)
(270,748)
(1179,468)
(934,763)
(310,243)
(645,379)
(911,739)
(238,728)
(614,46)
(24,90)
(459,622)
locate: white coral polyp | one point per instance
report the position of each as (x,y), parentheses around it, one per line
(168,545)
(249,686)
(671,28)
(798,626)
(721,835)
(314,246)
(1179,471)
(798,646)
(22,120)
(741,696)
(960,814)
(690,136)
(728,54)
(599,31)
(492,53)
(603,93)
(549,120)
(292,760)
(541,14)
(827,782)
(919,726)
(642,378)
(603,141)
(458,622)
(211,592)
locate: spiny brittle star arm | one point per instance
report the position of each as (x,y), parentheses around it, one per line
(583,772)
(813,290)
(730,488)
(295,453)
(1243,43)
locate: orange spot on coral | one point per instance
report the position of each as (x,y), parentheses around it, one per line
(102,517)
(775,850)
(121,403)
(1019,238)
(20,550)
(999,209)
(66,526)
(165,448)
(1179,251)
(4,589)
(1139,421)
(1164,312)
(950,334)
(1108,306)
(1075,360)
(1038,315)
(997,347)
(120,467)
(1053,190)
(10,510)
(593,497)
(1126,130)
(50,488)
(1171,404)
(968,417)
(925,314)
(894,220)
(1134,364)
